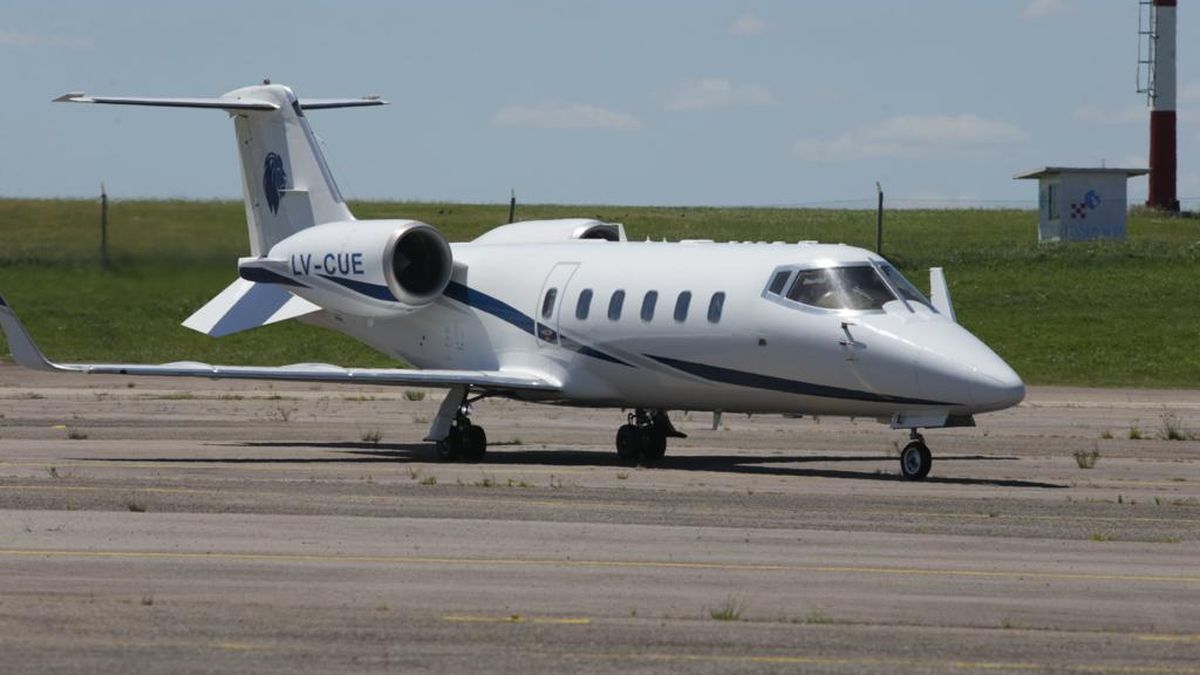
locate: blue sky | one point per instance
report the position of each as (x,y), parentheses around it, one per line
(623,102)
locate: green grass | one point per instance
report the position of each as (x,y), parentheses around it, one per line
(1101,314)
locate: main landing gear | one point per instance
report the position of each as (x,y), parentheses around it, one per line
(454,437)
(643,439)
(915,459)
(465,441)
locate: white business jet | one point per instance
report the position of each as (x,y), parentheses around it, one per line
(569,312)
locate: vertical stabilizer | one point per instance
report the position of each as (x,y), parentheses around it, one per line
(285,180)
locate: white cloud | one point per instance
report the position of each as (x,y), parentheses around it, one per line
(914,136)
(748,24)
(10,38)
(1040,9)
(1126,115)
(710,93)
(575,116)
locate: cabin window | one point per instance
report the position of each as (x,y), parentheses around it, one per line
(716,306)
(584,304)
(779,281)
(615,304)
(648,304)
(548,303)
(857,287)
(681,305)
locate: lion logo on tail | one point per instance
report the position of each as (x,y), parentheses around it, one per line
(274,180)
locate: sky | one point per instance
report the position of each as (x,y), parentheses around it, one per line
(659,102)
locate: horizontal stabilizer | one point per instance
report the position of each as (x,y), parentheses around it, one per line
(26,353)
(244,305)
(220,102)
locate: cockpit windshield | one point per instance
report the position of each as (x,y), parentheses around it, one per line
(903,286)
(857,287)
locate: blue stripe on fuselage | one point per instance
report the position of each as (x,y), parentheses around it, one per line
(506,312)
(370,290)
(758,381)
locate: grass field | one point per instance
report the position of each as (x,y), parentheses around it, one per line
(1101,314)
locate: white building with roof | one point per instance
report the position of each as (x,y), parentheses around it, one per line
(1080,204)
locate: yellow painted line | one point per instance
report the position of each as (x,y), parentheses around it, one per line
(516,618)
(140,644)
(619,564)
(1169,638)
(887,663)
(121,489)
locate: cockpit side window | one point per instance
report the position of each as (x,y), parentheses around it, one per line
(903,286)
(779,281)
(857,287)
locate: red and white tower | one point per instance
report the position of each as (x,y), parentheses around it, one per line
(1159,87)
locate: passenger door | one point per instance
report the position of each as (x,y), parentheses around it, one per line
(550,302)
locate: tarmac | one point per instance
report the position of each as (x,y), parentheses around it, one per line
(154,525)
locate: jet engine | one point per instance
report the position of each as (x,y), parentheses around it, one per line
(371,268)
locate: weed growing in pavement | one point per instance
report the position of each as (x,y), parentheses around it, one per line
(373,437)
(1172,428)
(429,480)
(75,434)
(1135,432)
(730,610)
(1086,459)
(414,395)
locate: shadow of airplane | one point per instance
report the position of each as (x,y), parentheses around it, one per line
(770,465)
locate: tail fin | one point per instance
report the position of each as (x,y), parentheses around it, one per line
(285,180)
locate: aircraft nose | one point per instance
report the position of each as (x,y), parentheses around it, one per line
(958,367)
(996,386)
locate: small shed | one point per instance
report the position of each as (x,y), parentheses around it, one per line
(1078,204)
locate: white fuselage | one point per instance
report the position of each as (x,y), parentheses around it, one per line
(763,353)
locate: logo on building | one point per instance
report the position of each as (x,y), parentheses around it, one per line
(1079,210)
(274,180)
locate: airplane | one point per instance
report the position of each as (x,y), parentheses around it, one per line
(570,312)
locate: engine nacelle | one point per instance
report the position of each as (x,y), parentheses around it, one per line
(363,268)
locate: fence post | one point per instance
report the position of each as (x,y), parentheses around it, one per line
(512,206)
(103,226)
(879,220)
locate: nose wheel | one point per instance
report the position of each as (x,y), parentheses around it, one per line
(643,439)
(915,459)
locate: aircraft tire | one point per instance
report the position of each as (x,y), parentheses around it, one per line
(915,461)
(654,445)
(450,448)
(628,443)
(474,442)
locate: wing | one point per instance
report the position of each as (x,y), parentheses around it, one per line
(26,353)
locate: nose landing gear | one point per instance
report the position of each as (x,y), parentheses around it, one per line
(643,439)
(915,459)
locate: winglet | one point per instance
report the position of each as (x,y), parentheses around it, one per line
(23,349)
(939,293)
